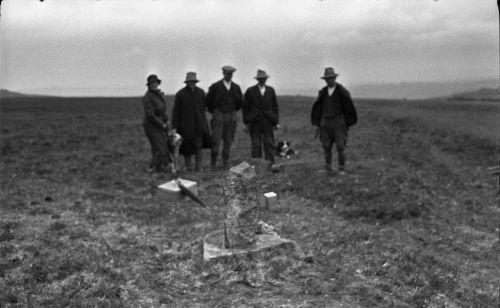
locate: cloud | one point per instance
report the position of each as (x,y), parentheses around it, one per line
(292,39)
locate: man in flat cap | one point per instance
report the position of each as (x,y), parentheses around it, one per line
(261,117)
(188,119)
(333,112)
(224,99)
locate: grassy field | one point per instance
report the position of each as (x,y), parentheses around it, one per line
(414,223)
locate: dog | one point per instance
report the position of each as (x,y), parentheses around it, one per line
(284,150)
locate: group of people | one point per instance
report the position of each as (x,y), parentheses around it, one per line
(333,112)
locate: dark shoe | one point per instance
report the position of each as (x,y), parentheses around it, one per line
(341,170)
(275,168)
(188,163)
(213,159)
(270,166)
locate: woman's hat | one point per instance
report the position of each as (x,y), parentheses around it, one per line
(153,78)
(261,74)
(329,72)
(191,76)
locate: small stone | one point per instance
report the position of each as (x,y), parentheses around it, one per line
(269,200)
(264,228)
(275,168)
(309,259)
(197,251)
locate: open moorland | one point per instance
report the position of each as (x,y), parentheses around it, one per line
(413,223)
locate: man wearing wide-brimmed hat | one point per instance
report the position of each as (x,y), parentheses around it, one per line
(224,98)
(156,124)
(333,113)
(261,116)
(188,119)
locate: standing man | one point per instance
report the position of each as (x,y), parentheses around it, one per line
(333,112)
(156,124)
(188,119)
(261,117)
(224,98)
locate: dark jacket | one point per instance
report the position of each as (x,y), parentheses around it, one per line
(347,105)
(257,107)
(155,108)
(188,117)
(216,95)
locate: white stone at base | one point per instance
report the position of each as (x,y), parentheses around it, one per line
(263,241)
(170,191)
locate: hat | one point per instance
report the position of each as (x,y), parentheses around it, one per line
(329,72)
(153,78)
(228,68)
(261,74)
(191,76)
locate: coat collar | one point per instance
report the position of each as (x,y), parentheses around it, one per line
(188,89)
(158,94)
(337,86)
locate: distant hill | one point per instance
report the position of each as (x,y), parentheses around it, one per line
(420,90)
(484,94)
(401,90)
(396,90)
(9,94)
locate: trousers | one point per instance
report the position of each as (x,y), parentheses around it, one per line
(334,131)
(223,129)
(262,136)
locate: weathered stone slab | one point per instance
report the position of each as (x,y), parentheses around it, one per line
(264,247)
(241,199)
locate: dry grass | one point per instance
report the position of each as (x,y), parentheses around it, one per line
(412,224)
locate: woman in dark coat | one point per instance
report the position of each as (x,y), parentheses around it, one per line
(156,124)
(189,120)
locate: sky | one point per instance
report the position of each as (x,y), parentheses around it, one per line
(108,47)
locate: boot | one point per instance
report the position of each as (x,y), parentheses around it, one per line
(328,159)
(225,157)
(341,159)
(213,160)
(198,160)
(187,163)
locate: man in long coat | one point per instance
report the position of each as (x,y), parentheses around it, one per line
(188,119)
(156,124)
(333,112)
(261,116)
(224,99)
